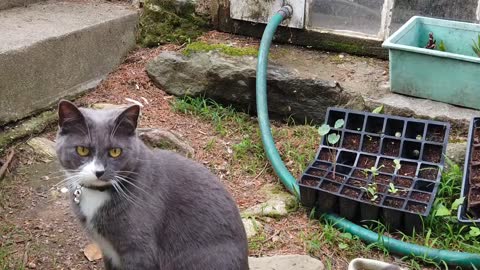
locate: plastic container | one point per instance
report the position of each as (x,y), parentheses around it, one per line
(341,179)
(451,76)
(469,211)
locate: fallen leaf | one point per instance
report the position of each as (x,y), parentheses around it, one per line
(92,252)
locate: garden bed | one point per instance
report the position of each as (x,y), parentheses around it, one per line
(379,167)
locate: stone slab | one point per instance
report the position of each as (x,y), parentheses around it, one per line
(302,84)
(285,262)
(54,50)
(6,4)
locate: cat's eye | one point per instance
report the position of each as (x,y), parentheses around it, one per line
(83,151)
(115,152)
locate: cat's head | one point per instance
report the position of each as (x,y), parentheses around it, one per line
(97,147)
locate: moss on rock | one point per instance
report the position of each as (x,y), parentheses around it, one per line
(170,21)
(222,48)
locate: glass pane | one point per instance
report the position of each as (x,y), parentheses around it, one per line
(363,16)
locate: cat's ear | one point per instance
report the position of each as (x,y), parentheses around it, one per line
(69,117)
(127,121)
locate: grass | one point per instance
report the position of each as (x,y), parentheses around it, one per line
(297,145)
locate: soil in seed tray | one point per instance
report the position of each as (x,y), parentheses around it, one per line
(391,147)
(475,175)
(328,155)
(422,197)
(310,182)
(316,172)
(351,141)
(367,198)
(330,187)
(381,188)
(403,182)
(366,162)
(400,193)
(350,192)
(360,174)
(388,165)
(396,203)
(320,165)
(356,183)
(408,170)
(476,154)
(416,208)
(339,178)
(432,154)
(476,136)
(474,196)
(429,173)
(382,179)
(371,144)
(435,133)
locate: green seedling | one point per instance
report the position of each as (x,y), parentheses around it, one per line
(379,109)
(419,137)
(373,170)
(397,165)
(392,189)
(476,46)
(371,191)
(441,46)
(332,138)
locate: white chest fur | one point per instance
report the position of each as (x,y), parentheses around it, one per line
(91,201)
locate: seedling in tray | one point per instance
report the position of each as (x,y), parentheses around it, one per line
(377,167)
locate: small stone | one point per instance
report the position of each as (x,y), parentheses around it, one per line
(456,152)
(92,252)
(64,190)
(32,265)
(43,147)
(341,56)
(252,227)
(165,139)
(107,106)
(384,72)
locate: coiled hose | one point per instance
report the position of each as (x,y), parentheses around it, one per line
(368,236)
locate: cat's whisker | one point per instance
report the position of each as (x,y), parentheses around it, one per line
(134,185)
(126,196)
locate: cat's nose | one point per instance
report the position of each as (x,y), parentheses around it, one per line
(99,173)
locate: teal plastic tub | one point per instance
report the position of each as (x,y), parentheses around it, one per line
(452,76)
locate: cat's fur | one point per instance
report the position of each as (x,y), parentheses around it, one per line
(164,212)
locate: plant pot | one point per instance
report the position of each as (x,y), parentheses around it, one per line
(469,211)
(339,178)
(450,76)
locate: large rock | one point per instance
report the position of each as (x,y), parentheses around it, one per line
(278,204)
(456,152)
(252,227)
(285,262)
(43,147)
(164,139)
(231,80)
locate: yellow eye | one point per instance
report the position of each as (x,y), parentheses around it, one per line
(83,151)
(115,152)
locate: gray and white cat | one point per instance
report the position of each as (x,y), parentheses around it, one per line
(147,210)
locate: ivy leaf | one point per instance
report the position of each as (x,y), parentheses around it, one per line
(457,203)
(333,138)
(442,211)
(323,129)
(474,231)
(339,123)
(346,235)
(378,109)
(342,246)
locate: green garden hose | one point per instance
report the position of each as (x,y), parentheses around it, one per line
(393,245)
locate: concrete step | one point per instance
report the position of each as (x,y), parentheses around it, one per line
(57,49)
(6,4)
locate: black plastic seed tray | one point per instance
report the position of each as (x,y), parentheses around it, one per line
(469,211)
(359,178)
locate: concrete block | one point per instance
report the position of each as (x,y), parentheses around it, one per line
(53,50)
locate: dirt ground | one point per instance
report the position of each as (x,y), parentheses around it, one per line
(37,229)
